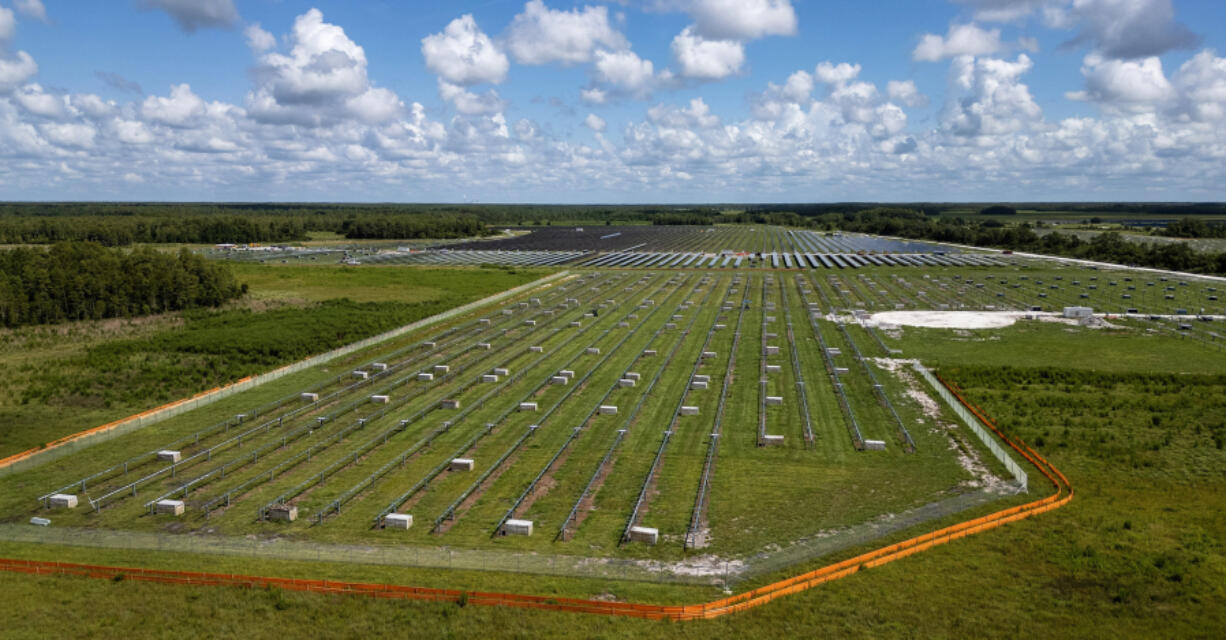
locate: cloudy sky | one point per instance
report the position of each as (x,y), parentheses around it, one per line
(616,101)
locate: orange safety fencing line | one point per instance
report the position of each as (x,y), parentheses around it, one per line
(733,604)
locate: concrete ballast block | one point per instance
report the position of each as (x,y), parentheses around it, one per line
(397,521)
(461,464)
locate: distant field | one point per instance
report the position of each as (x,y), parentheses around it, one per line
(60,379)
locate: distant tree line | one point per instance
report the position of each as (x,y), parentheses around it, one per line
(86,281)
(1104,247)
(414,226)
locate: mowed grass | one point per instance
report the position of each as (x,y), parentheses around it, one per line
(1140,552)
(65,378)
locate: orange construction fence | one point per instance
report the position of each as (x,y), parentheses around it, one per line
(732,604)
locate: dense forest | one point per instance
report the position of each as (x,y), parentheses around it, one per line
(121,224)
(86,281)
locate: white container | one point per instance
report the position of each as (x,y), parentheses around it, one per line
(169,507)
(527,406)
(774,400)
(567,373)
(772,350)
(874,445)
(451,404)
(517,528)
(592,351)
(441,369)
(626,382)
(772,440)
(502,371)
(397,521)
(708,354)
(649,352)
(559,380)
(633,375)
(699,385)
(575,323)
(489,377)
(689,411)
(647,535)
(834,351)
(166,455)
(310,397)
(63,501)
(536,349)
(362,375)
(774,368)
(702,377)
(380,399)
(842,371)
(461,464)
(379,366)
(608,410)
(483,345)
(425,377)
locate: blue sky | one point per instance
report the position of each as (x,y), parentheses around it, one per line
(622,101)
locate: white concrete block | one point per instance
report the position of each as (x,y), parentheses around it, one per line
(397,521)
(310,397)
(559,380)
(646,535)
(567,373)
(874,445)
(169,507)
(451,404)
(649,352)
(425,377)
(483,345)
(633,375)
(772,350)
(461,464)
(361,375)
(689,411)
(517,528)
(63,501)
(592,351)
(771,440)
(699,385)
(489,377)
(502,371)
(774,401)
(774,368)
(608,410)
(527,406)
(440,369)
(379,366)
(166,455)
(626,382)
(380,399)
(536,349)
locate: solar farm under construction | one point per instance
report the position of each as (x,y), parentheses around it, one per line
(745,416)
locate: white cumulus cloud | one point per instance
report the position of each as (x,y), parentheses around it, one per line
(462,54)
(704,59)
(742,19)
(595,122)
(961,40)
(31,9)
(541,35)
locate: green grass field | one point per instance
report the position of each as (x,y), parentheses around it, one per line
(1131,414)
(61,379)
